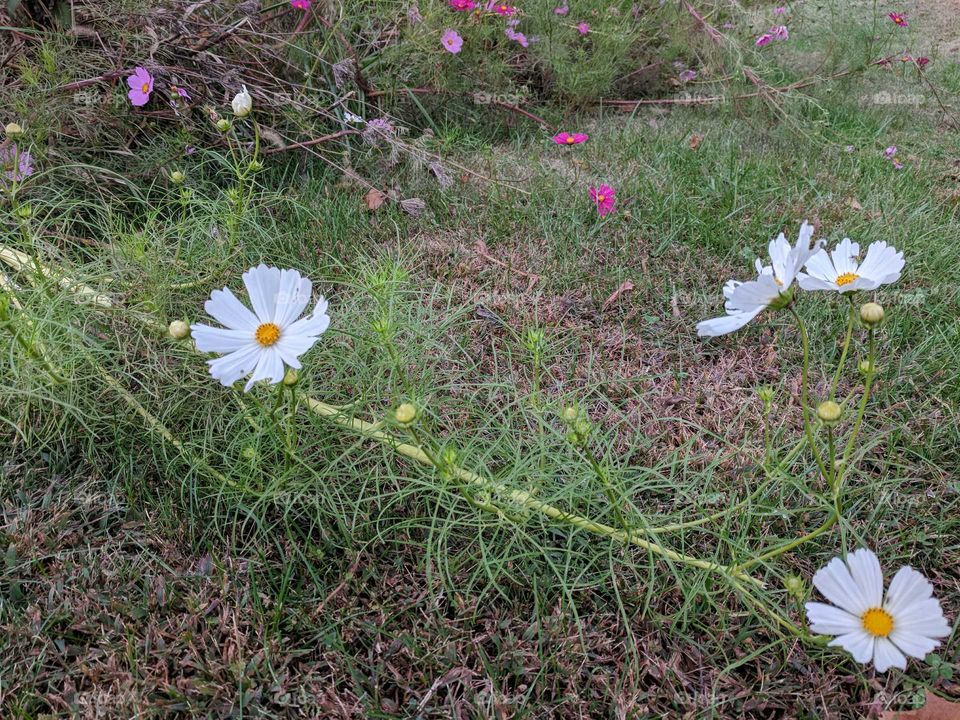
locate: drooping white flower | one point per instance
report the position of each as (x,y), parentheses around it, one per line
(867,625)
(840,271)
(262,342)
(242,103)
(744,301)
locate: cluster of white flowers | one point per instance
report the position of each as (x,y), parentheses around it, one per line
(838,271)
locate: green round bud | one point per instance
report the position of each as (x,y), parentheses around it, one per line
(795,586)
(830,412)
(178,329)
(25,212)
(765,393)
(249,453)
(448,456)
(865,366)
(290,377)
(13,130)
(177,177)
(255,166)
(405,414)
(569,414)
(223,125)
(871,314)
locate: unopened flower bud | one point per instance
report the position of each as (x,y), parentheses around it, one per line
(871,314)
(178,329)
(449,456)
(223,125)
(795,587)
(405,414)
(242,103)
(13,130)
(290,377)
(249,453)
(255,166)
(829,412)
(865,367)
(569,414)
(25,211)
(177,177)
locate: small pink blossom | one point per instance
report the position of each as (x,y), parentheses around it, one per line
(779,10)
(566,138)
(462,5)
(604,198)
(688,75)
(15,164)
(517,37)
(505,10)
(899,19)
(764,39)
(583,28)
(141,85)
(451,41)
(897,165)
(561,9)
(890,152)
(780,33)
(300,4)
(413,15)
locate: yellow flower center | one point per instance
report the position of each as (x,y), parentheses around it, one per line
(846,278)
(570,140)
(877,622)
(601,198)
(145,89)
(267,334)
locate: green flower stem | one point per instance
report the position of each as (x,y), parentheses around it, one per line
(804,393)
(521,497)
(846,347)
(31,349)
(861,410)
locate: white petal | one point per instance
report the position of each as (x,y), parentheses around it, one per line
(726,323)
(883,263)
(886,656)
(908,587)
(218,340)
(224,307)
(269,366)
(924,617)
(779,250)
(821,267)
(809,282)
(859,643)
(293,297)
(845,256)
(838,586)
(729,287)
(314,324)
(829,620)
(865,569)
(263,286)
(230,368)
(913,644)
(755,294)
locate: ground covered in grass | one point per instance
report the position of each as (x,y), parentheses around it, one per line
(168,554)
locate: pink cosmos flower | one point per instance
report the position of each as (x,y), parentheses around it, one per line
(505,10)
(604,198)
(897,165)
(583,28)
(779,10)
(764,39)
(14,165)
(462,5)
(141,85)
(451,41)
(780,33)
(566,138)
(899,19)
(179,92)
(688,75)
(890,152)
(561,9)
(517,37)
(413,14)
(300,4)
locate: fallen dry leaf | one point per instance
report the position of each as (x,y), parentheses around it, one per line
(374,199)
(625,286)
(695,141)
(854,203)
(935,708)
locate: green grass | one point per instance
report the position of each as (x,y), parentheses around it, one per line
(221,574)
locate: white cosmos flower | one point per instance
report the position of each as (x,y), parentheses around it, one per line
(869,626)
(242,103)
(840,271)
(261,343)
(744,301)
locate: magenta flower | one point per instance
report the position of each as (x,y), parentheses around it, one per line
(505,10)
(897,165)
(566,138)
(300,4)
(462,5)
(764,39)
(780,33)
(779,10)
(180,92)
(688,75)
(141,85)
(561,9)
(604,198)
(15,165)
(899,19)
(890,152)
(451,41)
(583,28)
(518,37)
